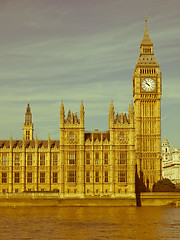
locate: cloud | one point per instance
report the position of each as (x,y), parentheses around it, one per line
(75,50)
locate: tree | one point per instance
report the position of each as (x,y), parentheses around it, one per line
(164,185)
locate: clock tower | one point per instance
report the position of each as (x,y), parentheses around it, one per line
(147,105)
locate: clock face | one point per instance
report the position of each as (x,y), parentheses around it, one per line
(148,84)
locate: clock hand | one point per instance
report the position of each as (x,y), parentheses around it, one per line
(148,84)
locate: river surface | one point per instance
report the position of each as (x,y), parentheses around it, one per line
(95,223)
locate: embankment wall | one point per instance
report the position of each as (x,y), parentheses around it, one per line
(55,199)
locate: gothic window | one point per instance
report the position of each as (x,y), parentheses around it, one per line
(17,159)
(71,136)
(145,164)
(152,163)
(29,177)
(71,176)
(121,136)
(122,158)
(106,158)
(4,177)
(106,176)
(87,158)
(29,159)
(55,159)
(122,176)
(97,158)
(42,177)
(27,135)
(4,159)
(42,159)
(55,177)
(87,176)
(97,176)
(72,158)
(16,177)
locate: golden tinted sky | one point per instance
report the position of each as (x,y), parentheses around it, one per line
(80,49)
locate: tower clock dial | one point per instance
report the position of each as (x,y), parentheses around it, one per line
(148,84)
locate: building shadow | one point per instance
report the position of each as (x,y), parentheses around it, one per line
(140,186)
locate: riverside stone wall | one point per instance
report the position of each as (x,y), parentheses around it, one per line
(55,199)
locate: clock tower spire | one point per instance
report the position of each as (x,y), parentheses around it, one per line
(146,44)
(147,105)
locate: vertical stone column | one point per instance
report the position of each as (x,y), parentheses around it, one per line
(131,163)
(49,163)
(11,174)
(61,149)
(102,165)
(111,131)
(36,165)
(23,166)
(111,177)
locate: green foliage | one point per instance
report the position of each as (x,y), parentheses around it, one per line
(164,185)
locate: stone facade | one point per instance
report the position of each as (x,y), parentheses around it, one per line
(170,162)
(93,163)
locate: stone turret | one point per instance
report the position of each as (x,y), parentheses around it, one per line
(62,114)
(111,115)
(82,114)
(28,125)
(72,126)
(131,113)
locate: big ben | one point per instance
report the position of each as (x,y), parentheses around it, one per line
(147,105)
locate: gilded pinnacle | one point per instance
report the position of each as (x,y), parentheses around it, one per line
(146,17)
(146,38)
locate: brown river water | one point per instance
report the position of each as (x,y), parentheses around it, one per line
(92,223)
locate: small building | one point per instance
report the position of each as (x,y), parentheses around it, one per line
(170,162)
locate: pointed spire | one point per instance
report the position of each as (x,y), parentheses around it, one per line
(111,106)
(28,109)
(165,140)
(146,38)
(49,141)
(62,114)
(131,112)
(62,105)
(82,106)
(82,114)
(72,117)
(28,116)
(11,142)
(36,141)
(49,138)
(131,107)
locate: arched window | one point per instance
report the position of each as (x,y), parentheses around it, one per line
(27,135)
(121,136)
(71,136)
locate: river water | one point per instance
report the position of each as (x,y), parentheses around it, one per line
(92,223)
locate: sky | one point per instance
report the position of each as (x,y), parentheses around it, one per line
(83,50)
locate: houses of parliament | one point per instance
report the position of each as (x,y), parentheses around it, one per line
(95,163)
